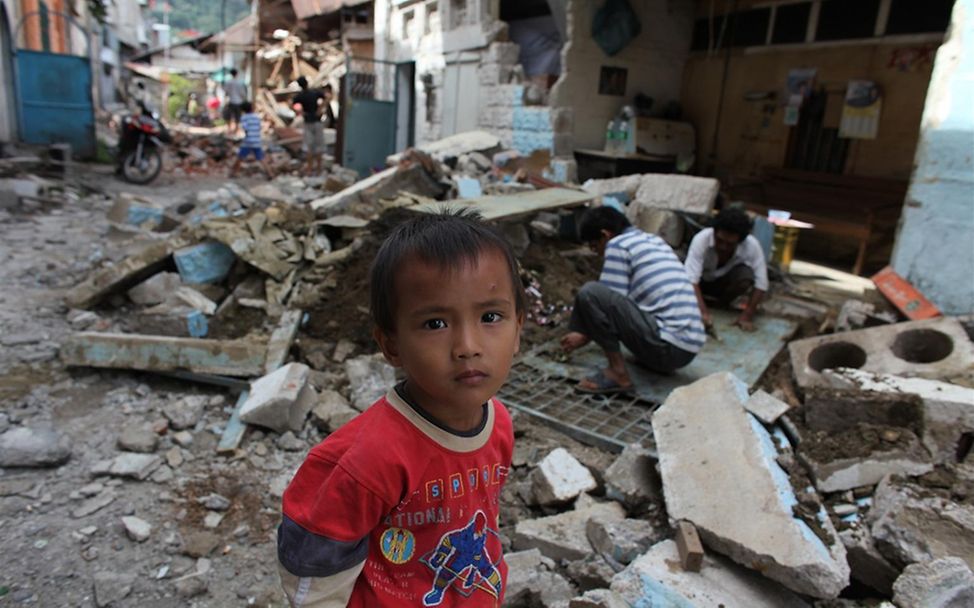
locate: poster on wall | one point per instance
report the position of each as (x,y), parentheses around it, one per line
(861,109)
(798,88)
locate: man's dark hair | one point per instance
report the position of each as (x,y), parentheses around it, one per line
(246,107)
(450,239)
(233,72)
(597,219)
(327,87)
(302,82)
(733,220)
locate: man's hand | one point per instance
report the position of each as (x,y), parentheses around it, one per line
(573,340)
(708,319)
(744,323)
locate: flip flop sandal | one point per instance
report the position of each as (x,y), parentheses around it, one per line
(603,385)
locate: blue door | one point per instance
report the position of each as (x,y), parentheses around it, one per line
(54,102)
(376,113)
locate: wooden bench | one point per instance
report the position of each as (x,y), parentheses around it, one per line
(843,206)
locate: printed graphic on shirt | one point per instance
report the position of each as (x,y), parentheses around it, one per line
(398,545)
(461,561)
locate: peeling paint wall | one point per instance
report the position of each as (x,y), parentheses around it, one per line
(934,248)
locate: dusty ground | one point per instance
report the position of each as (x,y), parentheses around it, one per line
(51,556)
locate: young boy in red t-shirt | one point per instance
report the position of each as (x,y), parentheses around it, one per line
(400,506)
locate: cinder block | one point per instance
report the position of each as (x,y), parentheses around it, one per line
(204,263)
(933,348)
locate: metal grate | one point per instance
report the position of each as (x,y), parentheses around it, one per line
(610,422)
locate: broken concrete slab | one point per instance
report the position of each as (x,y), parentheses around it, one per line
(512,206)
(711,449)
(684,193)
(947,411)
(655,579)
(599,598)
(280,400)
(867,564)
(124,274)
(911,524)
(128,464)
(590,572)
(765,407)
(622,540)
(563,536)
(281,339)
(560,478)
(933,348)
(365,196)
(529,580)
(904,455)
(834,410)
(632,478)
(164,354)
(454,146)
(664,223)
(943,583)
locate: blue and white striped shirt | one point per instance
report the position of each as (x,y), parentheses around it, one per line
(250,123)
(643,267)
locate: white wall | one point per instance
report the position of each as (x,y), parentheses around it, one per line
(8,111)
(654,60)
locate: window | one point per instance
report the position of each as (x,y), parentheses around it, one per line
(408,18)
(432,17)
(844,20)
(918,16)
(791,23)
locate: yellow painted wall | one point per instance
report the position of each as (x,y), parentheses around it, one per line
(752,134)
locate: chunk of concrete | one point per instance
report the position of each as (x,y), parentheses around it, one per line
(910,524)
(590,572)
(280,400)
(599,598)
(664,223)
(332,411)
(369,377)
(933,348)
(136,528)
(622,540)
(765,407)
(943,583)
(560,478)
(905,456)
(684,193)
(867,564)
(563,536)
(186,412)
(632,479)
(719,471)
(655,579)
(947,410)
(156,289)
(526,580)
(836,409)
(28,447)
(130,465)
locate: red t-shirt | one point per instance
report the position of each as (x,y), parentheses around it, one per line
(424,500)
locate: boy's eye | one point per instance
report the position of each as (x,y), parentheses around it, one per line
(434,324)
(491,317)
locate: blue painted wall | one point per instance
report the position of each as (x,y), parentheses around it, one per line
(935,244)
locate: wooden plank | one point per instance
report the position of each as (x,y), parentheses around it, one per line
(241,358)
(235,429)
(689,546)
(511,206)
(281,339)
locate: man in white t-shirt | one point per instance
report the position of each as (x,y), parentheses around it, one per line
(236,95)
(725,262)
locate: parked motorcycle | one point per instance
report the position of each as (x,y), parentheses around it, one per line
(140,145)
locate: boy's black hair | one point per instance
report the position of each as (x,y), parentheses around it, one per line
(233,72)
(597,219)
(302,82)
(450,239)
(733,220)
(247,107)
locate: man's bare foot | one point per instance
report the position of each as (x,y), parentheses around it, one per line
(606,381)
(574,340)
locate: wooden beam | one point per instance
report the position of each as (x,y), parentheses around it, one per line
(689,546)
(240,358)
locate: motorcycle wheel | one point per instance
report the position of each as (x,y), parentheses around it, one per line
(145,171)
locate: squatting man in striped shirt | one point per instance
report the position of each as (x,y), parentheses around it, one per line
(643,300)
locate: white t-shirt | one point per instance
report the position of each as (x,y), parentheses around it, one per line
(236,93)
(701,262)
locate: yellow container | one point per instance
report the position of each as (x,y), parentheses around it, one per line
(783,246)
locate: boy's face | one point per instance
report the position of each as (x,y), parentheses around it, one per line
(456,334)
